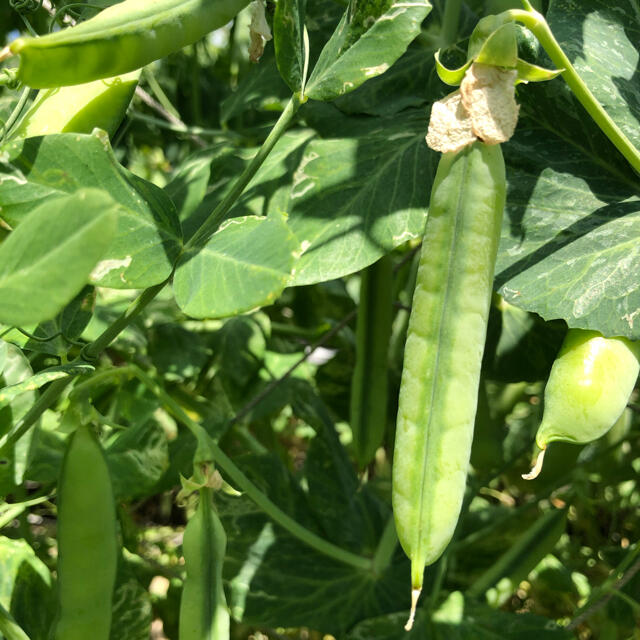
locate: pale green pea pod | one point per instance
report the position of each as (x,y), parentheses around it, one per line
(87,542)
(443,353)
(79,108)
(589,387)
(369,386)
(203,608)
(121,38)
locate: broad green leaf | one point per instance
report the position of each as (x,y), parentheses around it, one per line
(569,242)
(245,264)
(371,36)
(25,580)
(47,260)
(359,193)
(188,184)
(288,35)
(147,240)
(16,369)
(131,606)
(177,353)
(137,460)
(8,393)
(77,314)
(459,619)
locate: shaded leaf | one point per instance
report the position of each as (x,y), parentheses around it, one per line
(288,28)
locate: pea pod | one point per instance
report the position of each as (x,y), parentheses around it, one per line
(79,108)
(443,353)
(589,387)
(121,38)
(203,608)
(369,386)
(87,542)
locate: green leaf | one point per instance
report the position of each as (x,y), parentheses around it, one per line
(7,394)
(461,620)
(359,193)
(25,580)
(245,264)
(78,313)
(147,241)
(569,241)
(365,44)
(288,36)
(137,460)
(47,260)
(16,369)
(132,613)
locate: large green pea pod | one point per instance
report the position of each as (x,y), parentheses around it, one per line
(589,387)
(369,386)
(203,607)
(121,38)
(443,353)
(87,541)
(79,108)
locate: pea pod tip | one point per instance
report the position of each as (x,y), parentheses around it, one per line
(537,467)
(415,595)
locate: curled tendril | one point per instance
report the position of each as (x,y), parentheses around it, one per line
(9,79)
(25,6)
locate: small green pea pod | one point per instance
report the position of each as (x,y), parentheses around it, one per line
(79,108)
(443,353)
(203,607)
(589,386)
(87,541)
(369,386)
(121,38)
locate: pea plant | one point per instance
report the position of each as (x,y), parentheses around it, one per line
(319,320)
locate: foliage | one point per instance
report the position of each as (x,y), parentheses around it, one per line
(195,318)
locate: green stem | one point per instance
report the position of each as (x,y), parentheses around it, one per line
(386,548)
(15,114)
(251,490)
(52,393)
(92,351)
(160,95)
(450,20)
(209,226)
(536,23)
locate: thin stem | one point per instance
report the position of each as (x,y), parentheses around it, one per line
(93,350)
(209,226)
(52,393)
(536,23)
(15,114)
(386,547)
(240,480)
(450,20)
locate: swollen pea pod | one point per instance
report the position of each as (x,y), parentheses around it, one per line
(121,38)
(443,353)
(87,541)
(79,108)
(369,386)
(203,608)
(588,389)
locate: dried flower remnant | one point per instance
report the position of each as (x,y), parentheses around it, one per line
(450,125)
(483,108)
(259,30)
(488,95)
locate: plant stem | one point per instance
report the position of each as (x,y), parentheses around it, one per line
(93,350)
(240,480)
(15,114)
(386,547)
(537,24)
(209,226)
(450,20)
